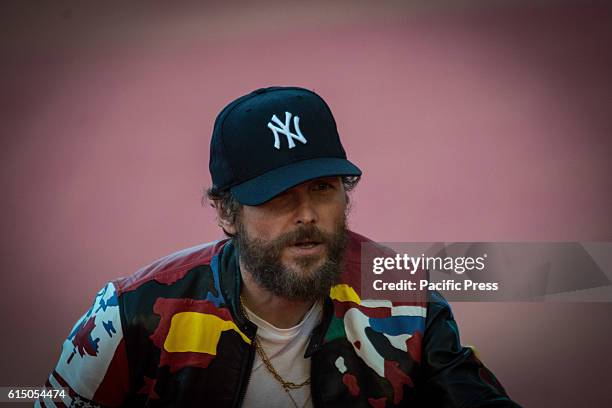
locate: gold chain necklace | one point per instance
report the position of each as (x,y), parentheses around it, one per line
(287,385)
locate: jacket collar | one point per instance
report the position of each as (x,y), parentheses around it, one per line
(231,283)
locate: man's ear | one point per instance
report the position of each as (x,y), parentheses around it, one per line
(229,227)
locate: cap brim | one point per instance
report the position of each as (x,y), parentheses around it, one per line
(263,188)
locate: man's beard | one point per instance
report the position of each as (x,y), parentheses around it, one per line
(262,259)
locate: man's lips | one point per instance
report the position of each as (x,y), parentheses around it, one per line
(306,244)
(306,247)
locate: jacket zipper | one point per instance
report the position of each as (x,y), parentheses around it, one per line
(316,397)
(314,347)
(247,367)
(245,376)
(251,332)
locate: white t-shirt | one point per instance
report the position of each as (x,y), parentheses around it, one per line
(285,349)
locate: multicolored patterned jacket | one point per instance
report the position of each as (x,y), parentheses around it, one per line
(173,335)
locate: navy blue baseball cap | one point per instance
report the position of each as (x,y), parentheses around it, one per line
(273,139)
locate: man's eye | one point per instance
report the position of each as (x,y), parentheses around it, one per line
(322,186)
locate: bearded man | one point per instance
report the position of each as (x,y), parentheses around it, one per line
(271,316)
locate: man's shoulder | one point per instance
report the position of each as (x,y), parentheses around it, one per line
(351,273)
(357,241)
(360,252)
(171,268)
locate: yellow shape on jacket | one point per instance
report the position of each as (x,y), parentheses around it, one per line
(344,293)
(198,332)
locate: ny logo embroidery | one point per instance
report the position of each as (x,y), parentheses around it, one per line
(285,128)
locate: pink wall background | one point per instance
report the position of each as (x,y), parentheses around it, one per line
(471,121)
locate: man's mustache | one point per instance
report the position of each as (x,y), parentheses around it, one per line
(306,233)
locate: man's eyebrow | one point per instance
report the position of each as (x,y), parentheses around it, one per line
(327,178)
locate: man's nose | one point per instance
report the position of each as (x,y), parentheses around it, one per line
(305,210)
